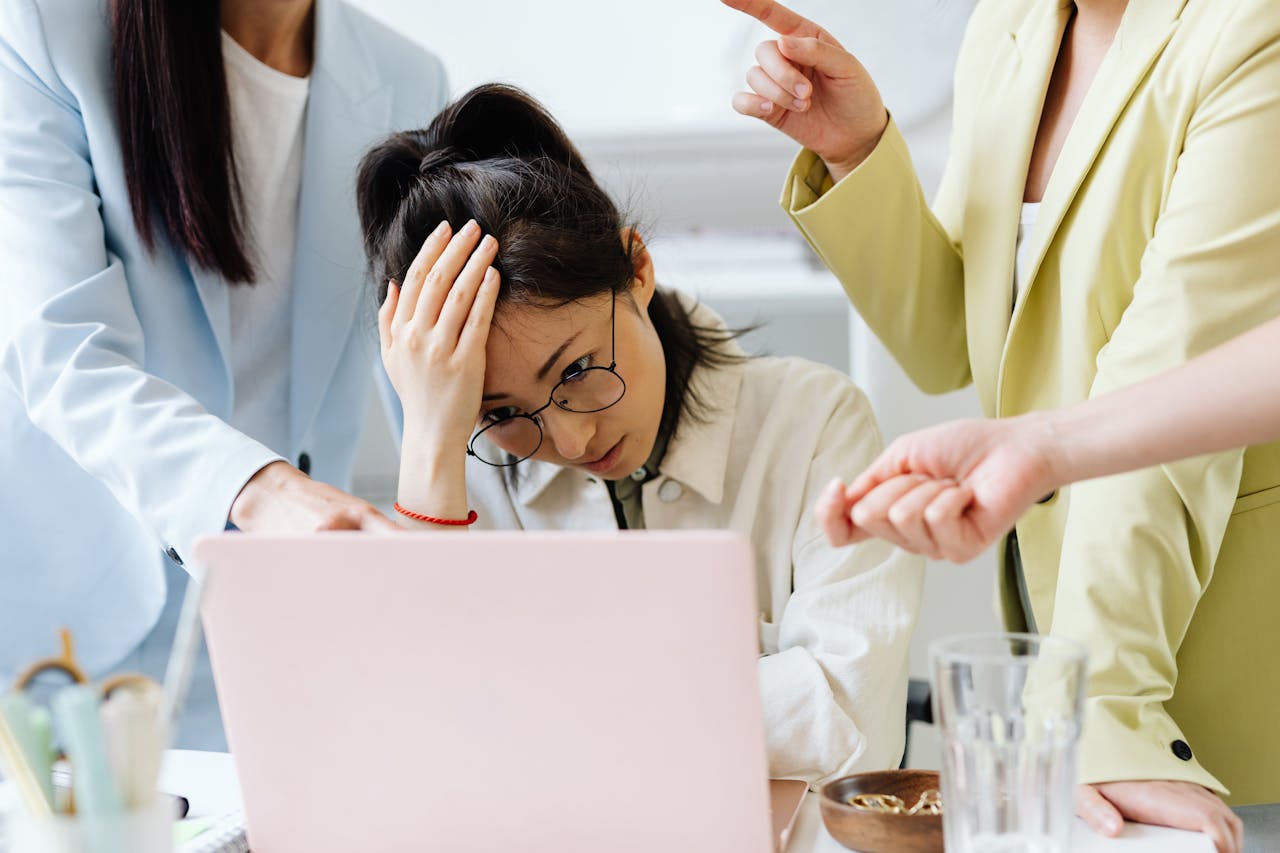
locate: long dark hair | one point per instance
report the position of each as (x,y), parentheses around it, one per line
(175,130)
(497,156)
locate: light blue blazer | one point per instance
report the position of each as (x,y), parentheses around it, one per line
(114,377)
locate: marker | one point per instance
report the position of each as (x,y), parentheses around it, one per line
(13,754)
(76,711)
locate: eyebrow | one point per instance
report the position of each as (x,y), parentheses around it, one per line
(555,356)
(546,368)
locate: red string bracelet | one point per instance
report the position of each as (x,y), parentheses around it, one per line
(452,522)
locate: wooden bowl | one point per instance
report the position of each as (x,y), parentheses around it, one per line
(882,832)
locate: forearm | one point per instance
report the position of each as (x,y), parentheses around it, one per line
(1226,398)
(833,693)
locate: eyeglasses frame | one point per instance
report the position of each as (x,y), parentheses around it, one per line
(551,398)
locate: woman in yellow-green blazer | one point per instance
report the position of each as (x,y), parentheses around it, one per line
(1157,237)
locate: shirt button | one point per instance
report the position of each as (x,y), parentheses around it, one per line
(1181,749)
(639,475)
(670,491)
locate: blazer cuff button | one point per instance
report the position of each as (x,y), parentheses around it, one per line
(173,555)
(1181,749)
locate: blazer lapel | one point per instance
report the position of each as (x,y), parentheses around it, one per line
(348,107)
(1006,122)
(216,299)
(1145,30)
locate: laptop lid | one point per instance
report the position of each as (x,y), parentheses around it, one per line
(491,691)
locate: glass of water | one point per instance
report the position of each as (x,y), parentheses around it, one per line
(1010,708)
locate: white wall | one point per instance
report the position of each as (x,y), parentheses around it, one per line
(644,88)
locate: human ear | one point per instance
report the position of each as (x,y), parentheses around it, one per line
(642,280)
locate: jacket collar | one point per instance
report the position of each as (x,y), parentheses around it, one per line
(1144,31)
(698,455)
(1006,125)
(347,100)
(349,105)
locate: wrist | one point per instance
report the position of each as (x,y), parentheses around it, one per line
(268,480)
(1050,439)
(839,166)
(433,478)
(423,453)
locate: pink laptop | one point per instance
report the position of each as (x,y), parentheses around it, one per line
(491,691)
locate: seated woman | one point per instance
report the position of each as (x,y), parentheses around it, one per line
(548,383)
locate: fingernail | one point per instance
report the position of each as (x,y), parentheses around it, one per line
(800,103)
(488,242)
(802,90)
(471,226)
(766,106)
(441,228)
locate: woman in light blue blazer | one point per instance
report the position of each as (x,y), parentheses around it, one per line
(182,336)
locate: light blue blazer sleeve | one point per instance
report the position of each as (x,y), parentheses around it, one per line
(72,342)
(115,387)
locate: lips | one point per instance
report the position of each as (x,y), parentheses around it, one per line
(606,462)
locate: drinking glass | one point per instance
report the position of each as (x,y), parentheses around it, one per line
(1010,708)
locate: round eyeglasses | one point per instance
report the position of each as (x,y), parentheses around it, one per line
(513,439)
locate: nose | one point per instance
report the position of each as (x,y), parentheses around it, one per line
(570,433)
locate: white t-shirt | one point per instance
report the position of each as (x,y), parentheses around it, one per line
(1026,222)
(268,109)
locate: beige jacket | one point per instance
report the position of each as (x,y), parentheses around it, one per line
(835,624)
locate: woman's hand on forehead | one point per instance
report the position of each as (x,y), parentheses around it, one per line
(433,328)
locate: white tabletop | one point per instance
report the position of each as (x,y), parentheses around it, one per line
(208,781)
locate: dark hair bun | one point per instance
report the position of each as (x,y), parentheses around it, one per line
(437,158)
(495,120)
(387,175)
(495,156)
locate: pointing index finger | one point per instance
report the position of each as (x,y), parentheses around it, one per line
(777,17)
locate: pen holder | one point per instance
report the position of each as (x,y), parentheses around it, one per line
(144,831)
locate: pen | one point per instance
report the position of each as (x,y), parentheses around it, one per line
(182,655)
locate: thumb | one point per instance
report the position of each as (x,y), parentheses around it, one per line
(828,59)
(1097,811)
(372,520)
(884,468)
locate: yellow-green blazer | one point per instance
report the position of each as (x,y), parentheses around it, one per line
(1158,237)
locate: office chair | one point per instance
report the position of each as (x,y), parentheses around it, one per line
(919,710)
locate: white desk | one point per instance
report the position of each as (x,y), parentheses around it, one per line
(208,780)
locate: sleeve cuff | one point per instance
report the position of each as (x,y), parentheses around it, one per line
(808,735)
(223,476)
(808,183)
(1127,739)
